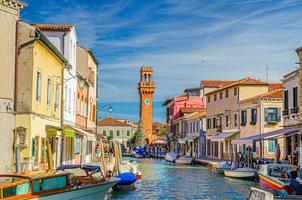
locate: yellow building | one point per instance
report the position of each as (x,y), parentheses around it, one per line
(39,98)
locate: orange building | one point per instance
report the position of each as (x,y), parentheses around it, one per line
(146,88)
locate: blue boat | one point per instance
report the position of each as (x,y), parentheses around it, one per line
(141,152)
(127,181)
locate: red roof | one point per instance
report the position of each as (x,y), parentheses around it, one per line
(275,86)
(111,122)
(54,27)
(275,94)
(245,81)
(215,83)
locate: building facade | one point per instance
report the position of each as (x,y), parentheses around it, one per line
(39,98)
(116,130)
(223,117)
(146,89)
(9,14)
(64,38)
(259,115)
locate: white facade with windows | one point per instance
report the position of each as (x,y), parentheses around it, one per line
(291,98)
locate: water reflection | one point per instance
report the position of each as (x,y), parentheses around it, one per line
(162,180)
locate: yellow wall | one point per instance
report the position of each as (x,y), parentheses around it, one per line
(50,67)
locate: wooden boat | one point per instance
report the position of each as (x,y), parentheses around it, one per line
(56,185)
(270,177)
(184,160)
(221,166)
(244,173)
(171,156)
(257,193)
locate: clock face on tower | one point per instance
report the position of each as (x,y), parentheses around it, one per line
(147,102)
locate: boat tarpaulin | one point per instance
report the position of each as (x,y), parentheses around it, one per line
(264,136)
(222,136)
(90,168)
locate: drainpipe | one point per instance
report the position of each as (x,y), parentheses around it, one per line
(62,116)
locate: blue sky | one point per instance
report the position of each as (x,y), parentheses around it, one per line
(185,41)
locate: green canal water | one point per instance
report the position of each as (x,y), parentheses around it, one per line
(163,180)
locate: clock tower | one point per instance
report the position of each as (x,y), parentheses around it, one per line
(146,89)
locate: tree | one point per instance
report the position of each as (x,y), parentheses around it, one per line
(138,138)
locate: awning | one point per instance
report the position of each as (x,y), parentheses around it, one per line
(187,138)
(222,136)
(52,131)
(90,136)
(69,133)
(264,136)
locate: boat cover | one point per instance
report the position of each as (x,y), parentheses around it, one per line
(127,178)
(90,168)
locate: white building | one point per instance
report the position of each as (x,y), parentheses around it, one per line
(291,98)
(116,130)
(64,38)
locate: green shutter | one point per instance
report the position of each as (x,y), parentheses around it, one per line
(33,147)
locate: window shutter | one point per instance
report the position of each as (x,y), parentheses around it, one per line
(266,114)
(33,147)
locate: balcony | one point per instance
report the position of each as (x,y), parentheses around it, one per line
(294,110)
(285,112)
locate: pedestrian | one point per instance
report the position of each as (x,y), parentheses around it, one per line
(97,152)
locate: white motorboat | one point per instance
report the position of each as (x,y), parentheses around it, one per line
(184,160)
(221,166)
(244,173)
(171,156)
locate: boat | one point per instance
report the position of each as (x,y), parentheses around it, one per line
(141,152)
(261,194)
(171,156)
(56,185)
(184,160)
(244,173)
(221,166)
(271,177)
(127,181)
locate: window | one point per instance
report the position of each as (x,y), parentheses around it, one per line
(104,132)
(226,93)
(235,120)
(295,97)
(243,117)
(220,95)
(253,116)
(215,97)
(227,121)
(57,98)
(285,100)
(111,133)
(209,98)
(208,123)
(48,91)
(272,114)
(117,133)
(128,133)
(271,146)
(214,123)
(235,91)
(77,147)
(39,87)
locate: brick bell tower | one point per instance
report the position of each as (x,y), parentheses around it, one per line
(146,88)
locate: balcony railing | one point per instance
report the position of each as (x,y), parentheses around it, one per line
(285,112)
(294,110)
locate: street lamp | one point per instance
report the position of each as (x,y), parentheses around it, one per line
(110,109)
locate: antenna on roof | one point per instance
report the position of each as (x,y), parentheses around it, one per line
(266,73)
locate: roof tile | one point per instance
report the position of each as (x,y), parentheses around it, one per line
(54,27)
(111,122)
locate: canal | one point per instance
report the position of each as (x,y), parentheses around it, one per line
(163,180)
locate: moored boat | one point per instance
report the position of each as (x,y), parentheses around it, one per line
(57,185)
(272,177)
(184,160)
(171,156)
(221,166)
(243,173)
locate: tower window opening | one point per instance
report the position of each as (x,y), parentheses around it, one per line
(146,78)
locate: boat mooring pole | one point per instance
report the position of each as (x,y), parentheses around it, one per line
(103,157)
